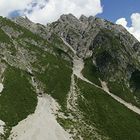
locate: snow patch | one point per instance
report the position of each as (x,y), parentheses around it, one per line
(41,125)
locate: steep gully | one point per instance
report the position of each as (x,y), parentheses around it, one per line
(78,66)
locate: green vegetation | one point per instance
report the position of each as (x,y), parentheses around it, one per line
(108,42)
(56,76)
(66,123)
(116,121)
(107,49)
(53,71)
(8,22)
(3,37)
(25,33)
(59,46)
(91,73)
(28,34)
(123,92)
(18,99)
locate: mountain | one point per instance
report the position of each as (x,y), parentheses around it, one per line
(72,79)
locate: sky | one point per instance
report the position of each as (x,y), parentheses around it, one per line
(124,12)
(115,9)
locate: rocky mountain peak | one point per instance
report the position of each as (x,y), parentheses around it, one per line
(22,20)
(70,20)
(80,33)
(83,18)
(68,17)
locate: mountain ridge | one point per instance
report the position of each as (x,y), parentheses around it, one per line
(88,66)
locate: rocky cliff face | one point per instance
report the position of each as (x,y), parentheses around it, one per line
(82,73)
(113,50)
(80,33)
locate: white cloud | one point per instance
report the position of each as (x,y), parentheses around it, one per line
(54,8)
(135,27)
(8,6)
(50,10)
(122,21)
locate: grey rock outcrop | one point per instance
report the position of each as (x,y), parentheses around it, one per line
(80,33)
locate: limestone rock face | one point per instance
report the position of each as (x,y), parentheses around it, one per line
(33,27)
(80,33)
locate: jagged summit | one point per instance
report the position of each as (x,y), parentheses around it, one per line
(83,18)
(83,31)
(92,19)
(71,19)
(68,17)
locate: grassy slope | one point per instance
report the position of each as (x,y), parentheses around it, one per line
(52,70)
(56,75)
(111,45)
(115,120)
(4,37)
(90,72)
(123,92)
(18,99)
